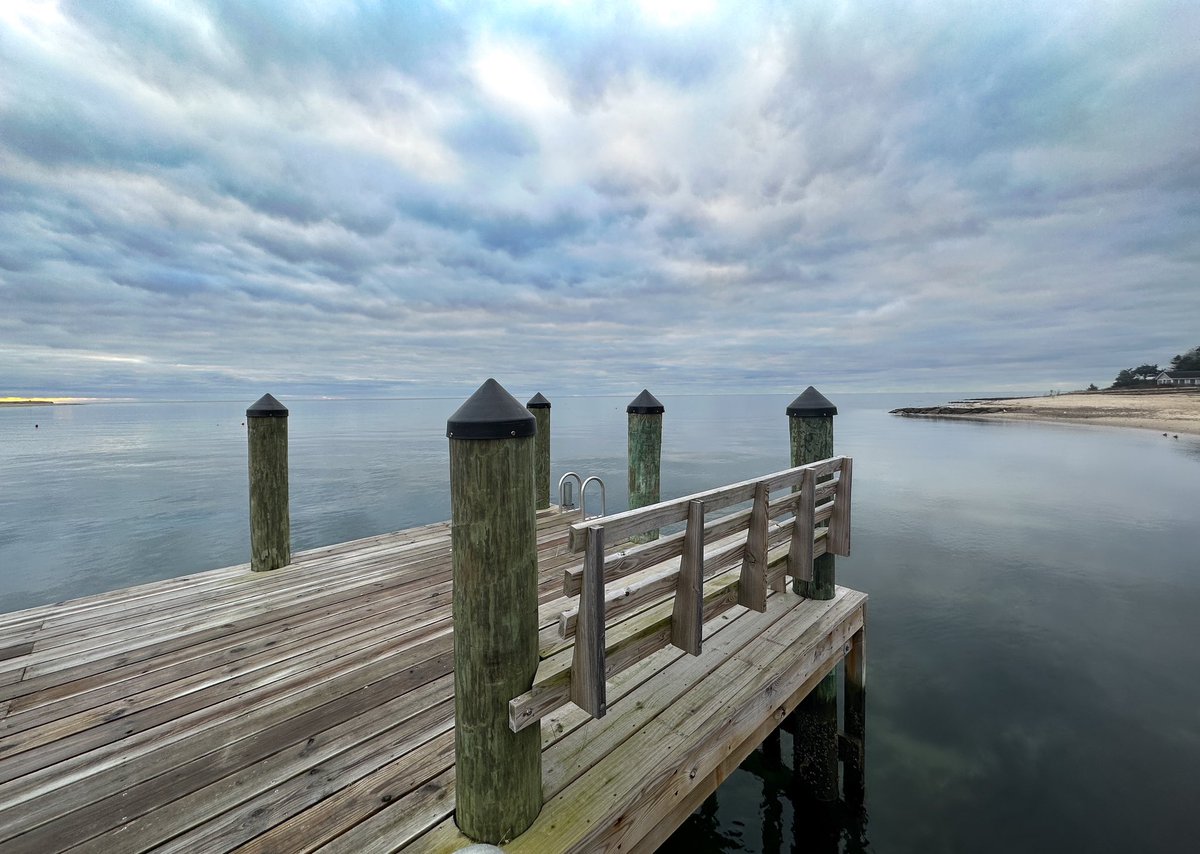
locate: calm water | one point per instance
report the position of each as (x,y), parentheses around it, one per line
(1034,655)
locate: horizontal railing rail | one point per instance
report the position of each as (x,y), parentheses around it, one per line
(686,578)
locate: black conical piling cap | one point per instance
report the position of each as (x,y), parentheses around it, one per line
(267,407)
(491,413)
(645,404)
(538,401)
(811,404)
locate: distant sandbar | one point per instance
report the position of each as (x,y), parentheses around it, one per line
(1170,411)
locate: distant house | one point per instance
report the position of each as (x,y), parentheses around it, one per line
(1178,378)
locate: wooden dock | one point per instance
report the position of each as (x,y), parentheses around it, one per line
(311,708)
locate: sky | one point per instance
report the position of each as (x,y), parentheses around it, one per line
(208,199)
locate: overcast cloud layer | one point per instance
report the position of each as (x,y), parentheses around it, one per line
(390,198)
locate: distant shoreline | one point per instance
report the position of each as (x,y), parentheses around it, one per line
(29,403)
(1170,411)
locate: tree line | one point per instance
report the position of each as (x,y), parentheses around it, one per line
(1144,374)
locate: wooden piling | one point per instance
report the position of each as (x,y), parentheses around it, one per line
(498,789)
(645,454)
(855,719)
(540,407)
(810,422)
(267,456)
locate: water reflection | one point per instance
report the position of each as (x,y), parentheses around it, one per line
(805,783)
(1034,587)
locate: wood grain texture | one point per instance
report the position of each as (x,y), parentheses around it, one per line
(687,616)
(645,465)
(839,524)
(627,643)
(493,532)
(310,708)
(631,790)
(812,440)
(541,457)
(587,662)
(622,526)
(270,518)
(752,589)
(637,558)
(800,555)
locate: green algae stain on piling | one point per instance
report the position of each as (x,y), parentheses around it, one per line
(810,423)
(498,789)
(267,455)
(540,407)
(645,454)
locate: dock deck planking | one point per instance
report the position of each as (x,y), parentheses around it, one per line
(310,709)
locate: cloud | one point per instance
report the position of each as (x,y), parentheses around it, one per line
(208,198)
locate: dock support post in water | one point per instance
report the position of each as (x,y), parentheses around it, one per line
(540,407)
(645,454)
(493,534)
(854,689)
(810,421)
(267,453)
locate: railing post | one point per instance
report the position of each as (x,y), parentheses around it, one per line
(493,533)
(810,422)
(540,407)
(588,690)
(267,456)
(687,620)
(752,584)
(645,454)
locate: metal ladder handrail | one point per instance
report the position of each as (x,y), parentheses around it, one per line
(583,497)
(565,500)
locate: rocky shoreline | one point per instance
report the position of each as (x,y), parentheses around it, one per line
(981,406)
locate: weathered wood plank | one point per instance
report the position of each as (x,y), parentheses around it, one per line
(405,820)
(839,523)
(687,616)
(237,775)
(153,810)
(651,587)
(16,650)
(800,556)
(394,760)
(691,801)
(587,661)
(35,773)
(627,643)
(752,591)
(625,794)
(269,643)
(637,558)
(635,698)
(620,526)
(351,804)
(149,646)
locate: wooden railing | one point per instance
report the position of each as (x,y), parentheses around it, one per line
(684,579)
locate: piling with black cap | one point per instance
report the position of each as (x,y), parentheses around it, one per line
(270,518)
(810,421)
(540,407)
(645,454)
(498,788)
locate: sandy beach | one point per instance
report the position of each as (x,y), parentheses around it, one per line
(1172,412)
